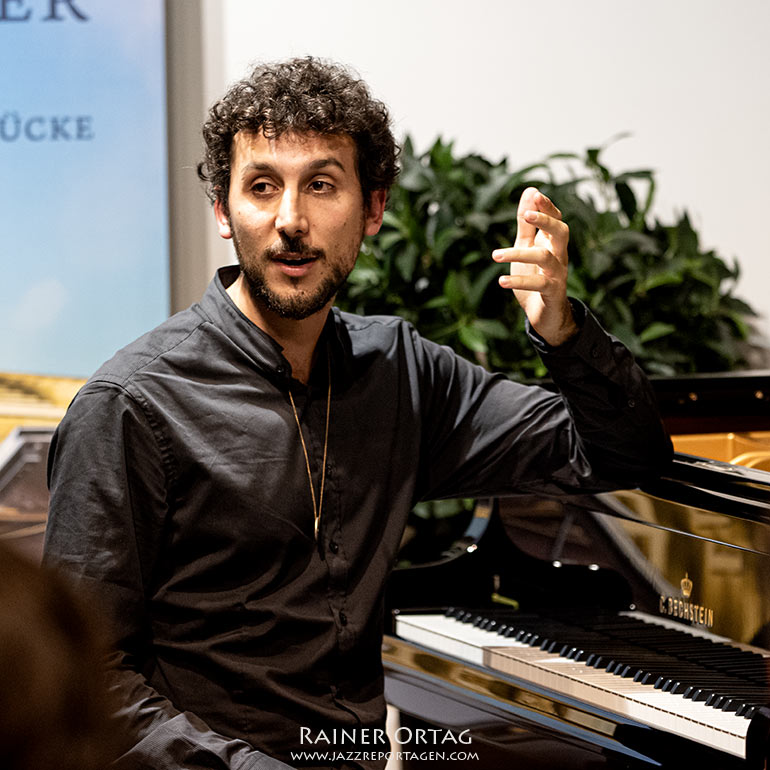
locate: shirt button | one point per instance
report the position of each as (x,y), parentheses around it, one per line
(631,403)
(343,619)
(333,546)
(594,352)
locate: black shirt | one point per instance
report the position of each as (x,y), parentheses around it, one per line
(179,494)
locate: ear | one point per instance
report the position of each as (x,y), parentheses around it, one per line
(374,211)
(223,220)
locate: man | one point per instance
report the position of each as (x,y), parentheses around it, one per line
(233,486)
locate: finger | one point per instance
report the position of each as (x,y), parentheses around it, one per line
(527,282)
(546,205)
(531,255)
(525,231)
(557,230)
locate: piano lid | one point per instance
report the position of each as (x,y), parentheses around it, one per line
(723,401)
(693,546)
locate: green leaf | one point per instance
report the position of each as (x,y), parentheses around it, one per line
(392,220)
(597,262)
(592,161)
(414,178)
(575,285)
(505,214)
(686,238)
(563,156)
(623,312)
(453,291)
(661,278)
(473,338)
(655,331)
(471,258)
(645,174)
(660,368)
(478,220)
(445,239)
(389,239)
(441,155)
(436,302)
(406,261)
(499,184)
(626,240)
(627,199)
(441,333)
(738,306)
(642,214)
(491,328)
(480,284)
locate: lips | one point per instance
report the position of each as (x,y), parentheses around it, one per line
(291,259)
(294,265)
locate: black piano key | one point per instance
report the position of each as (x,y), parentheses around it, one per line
(747,710)
(715,699)
(742,709)
(732,704)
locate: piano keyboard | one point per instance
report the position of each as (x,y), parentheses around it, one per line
(701,689)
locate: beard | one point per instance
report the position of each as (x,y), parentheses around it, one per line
(299,305)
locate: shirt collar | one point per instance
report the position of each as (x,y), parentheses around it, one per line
(266,353)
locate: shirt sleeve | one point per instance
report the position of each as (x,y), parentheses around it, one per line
(485,435)
(108,475)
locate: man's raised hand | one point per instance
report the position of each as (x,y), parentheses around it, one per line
(538,262)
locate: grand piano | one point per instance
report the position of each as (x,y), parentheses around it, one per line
(622,630)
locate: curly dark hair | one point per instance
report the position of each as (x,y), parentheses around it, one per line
(305,95)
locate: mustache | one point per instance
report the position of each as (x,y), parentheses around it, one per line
(288,245)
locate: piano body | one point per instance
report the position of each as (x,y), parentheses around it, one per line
(623,630)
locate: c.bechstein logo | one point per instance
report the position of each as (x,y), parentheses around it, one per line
(682,607)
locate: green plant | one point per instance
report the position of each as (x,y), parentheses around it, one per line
(651,285)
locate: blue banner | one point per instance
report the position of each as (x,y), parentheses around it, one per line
(83,190)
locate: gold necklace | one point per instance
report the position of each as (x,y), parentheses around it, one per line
(317,506)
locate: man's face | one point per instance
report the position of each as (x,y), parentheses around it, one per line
(296,217)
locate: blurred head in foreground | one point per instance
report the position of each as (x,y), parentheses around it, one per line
(54,710)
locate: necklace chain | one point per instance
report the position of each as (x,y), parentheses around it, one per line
(317,504)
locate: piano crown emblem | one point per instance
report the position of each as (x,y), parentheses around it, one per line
(686,586)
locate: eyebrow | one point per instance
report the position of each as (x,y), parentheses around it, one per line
(315,165)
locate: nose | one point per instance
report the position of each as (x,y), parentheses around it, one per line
(290,218)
